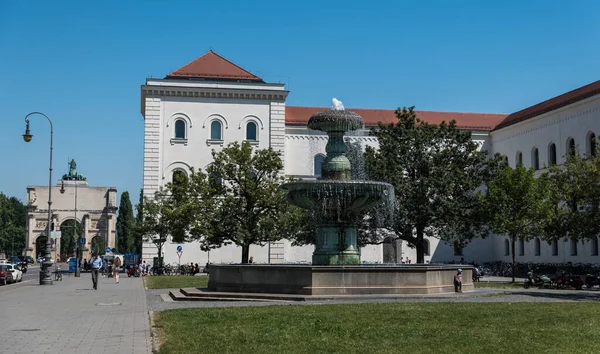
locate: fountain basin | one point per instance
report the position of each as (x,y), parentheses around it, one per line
(335,121)
(337,280)
(340,196)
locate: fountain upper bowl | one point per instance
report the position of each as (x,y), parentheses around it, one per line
(335,120)
(329,195)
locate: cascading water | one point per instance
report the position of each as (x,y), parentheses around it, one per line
(336,194)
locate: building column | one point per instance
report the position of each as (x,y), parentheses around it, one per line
(29,240)
(85,251)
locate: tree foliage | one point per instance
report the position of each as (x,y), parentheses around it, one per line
(12,225)
(575,197)
(139,218)
(518,204)
(436,171)
(125,225)
(238,199)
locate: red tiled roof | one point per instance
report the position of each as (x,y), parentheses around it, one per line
(213,66)
(552,104)
(295,115)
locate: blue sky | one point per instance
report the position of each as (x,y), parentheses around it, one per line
(82,63)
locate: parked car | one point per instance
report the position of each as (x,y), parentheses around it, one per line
(15,260)
(28,259)
(15,269)
(39,260)
(6,276)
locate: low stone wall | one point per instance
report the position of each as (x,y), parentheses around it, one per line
(337,280)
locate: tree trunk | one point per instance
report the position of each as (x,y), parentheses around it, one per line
(512,245)
(419,245)
(245,253)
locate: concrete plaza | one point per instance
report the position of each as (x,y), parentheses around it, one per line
(70,317)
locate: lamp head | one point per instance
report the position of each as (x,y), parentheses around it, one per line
(27,136)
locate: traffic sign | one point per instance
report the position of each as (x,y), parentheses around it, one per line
(113,250)
(107,249)
(82,241)
(179,248)
(179,254)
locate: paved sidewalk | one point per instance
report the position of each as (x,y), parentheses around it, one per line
(70,317)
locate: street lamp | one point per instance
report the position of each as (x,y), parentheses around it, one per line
(45,278)
(62,191)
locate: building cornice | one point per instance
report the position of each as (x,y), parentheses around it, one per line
(516,130)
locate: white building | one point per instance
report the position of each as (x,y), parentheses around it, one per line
(211,102)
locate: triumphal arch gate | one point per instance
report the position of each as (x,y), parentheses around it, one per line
(83,217)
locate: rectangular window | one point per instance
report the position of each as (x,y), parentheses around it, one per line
(554,248)
(458,249)
(573,247)
(595,246)
(521,248)
(537,247)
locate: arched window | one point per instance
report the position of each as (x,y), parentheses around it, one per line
(573,247)
(595,246)
(538,247)
(571,147)
(552,154)
(179,129)
(554,248)
(535,159)
(426,247)
(506,248)
(519,158)
(521,248)
(216,129)
(318,166)
(251,131)
(591,144)
(179,177)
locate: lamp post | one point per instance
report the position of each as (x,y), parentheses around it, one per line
(45,278)
(75,232)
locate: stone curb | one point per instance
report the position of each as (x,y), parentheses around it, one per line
(153,333)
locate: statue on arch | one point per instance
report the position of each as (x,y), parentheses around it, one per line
(73,174)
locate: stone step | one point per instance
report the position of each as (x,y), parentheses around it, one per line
(181,295)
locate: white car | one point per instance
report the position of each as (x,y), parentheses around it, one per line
(15,270)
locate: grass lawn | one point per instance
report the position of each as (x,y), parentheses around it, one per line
(483,284)
(384,328)
(175,281)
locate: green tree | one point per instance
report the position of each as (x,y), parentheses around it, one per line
(139,217)
(70,229)
(436,171)
(575,197)
(12,225)
(238,200)
(517,204)
(156,219)
(125,225)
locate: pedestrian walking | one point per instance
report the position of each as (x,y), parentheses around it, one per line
(95,264)
(117,269)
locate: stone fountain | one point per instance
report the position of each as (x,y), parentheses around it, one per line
(336,268)
(334,196)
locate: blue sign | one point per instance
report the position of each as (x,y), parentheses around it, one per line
(113,250)
(107,249)
(179,248)
(82,241)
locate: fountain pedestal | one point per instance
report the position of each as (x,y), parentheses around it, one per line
(335,245)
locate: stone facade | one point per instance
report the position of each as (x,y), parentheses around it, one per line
(199,103)
(96,211)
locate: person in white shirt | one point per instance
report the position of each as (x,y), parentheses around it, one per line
(95,264)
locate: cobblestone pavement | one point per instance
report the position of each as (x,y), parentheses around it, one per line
(70,317)
(155,298)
